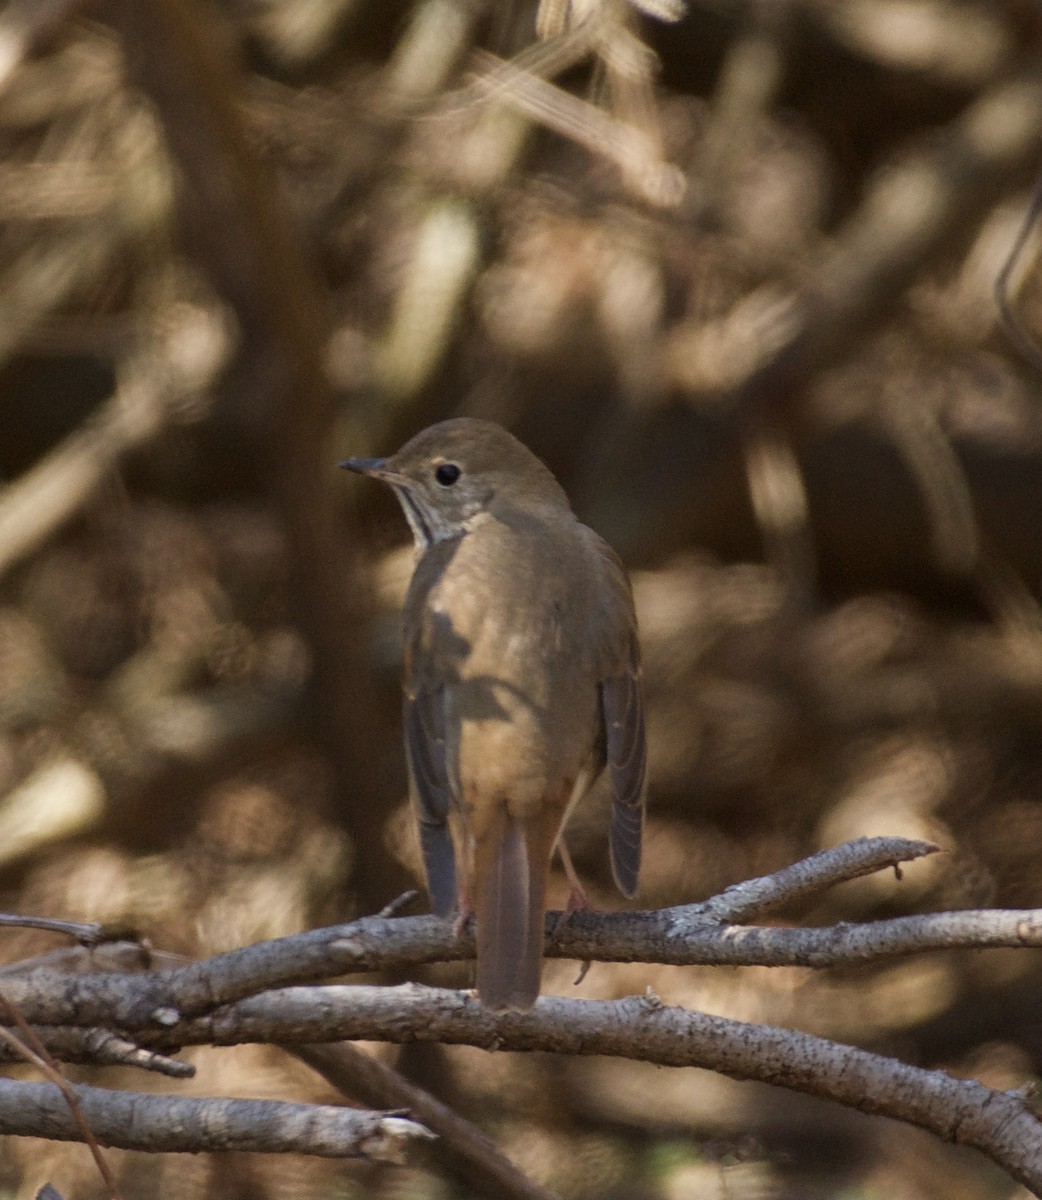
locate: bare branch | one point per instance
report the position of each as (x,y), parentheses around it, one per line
(472,1156)
(1000,1124)
(100,1047)
(838,864)
(143,1001)
(160,1004)
(690,935)
(169,1124)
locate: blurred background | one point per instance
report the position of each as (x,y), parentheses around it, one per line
(729,268)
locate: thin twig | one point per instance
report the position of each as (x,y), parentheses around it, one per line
(30,1047)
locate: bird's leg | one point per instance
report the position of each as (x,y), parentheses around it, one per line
(464,911)
(463,846)
(577,900)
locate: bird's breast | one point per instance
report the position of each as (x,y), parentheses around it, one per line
(509,633)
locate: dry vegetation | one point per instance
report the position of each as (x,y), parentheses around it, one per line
(730,271)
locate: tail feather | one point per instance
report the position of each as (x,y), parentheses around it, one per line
(511,871)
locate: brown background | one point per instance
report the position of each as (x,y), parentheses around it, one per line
(759,345)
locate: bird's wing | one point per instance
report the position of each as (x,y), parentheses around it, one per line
(622,713)
(431,788)
(622,708)
(427,744)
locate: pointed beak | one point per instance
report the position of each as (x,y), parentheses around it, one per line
(376,467)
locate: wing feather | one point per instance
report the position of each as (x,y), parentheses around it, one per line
(622,713)
(431,787)
(622,706)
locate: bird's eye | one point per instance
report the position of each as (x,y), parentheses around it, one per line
(447,474)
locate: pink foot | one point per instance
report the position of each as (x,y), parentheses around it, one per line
(577,899)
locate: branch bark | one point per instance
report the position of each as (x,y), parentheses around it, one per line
(180,1124)
(228,1000)
(1001,1125)
(462,1148)
(689,935)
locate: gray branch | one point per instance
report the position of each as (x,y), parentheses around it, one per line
(1002,1125)
(132,1121)
(244,997)
(689,935)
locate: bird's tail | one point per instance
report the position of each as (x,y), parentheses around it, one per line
(511,864)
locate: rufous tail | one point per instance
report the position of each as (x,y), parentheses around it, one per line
(511,863)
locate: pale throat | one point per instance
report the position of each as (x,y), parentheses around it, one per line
(428,525)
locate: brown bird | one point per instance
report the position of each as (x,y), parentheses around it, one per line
(522,680)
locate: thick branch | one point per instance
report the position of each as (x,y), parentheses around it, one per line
(691,935)
(1000,1124)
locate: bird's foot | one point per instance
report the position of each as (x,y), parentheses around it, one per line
(464,911)
(577,898)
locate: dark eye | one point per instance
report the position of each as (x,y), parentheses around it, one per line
(447,474)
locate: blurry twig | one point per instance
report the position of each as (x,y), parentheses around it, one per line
(629,147)
(779,499)
(1024,341)
(398,904)
(43,278)
(945,491)
(61,799)
(438,34)
(23,23)
(751,75)
(472,1156)
(628,132)
(117,955)
(151,384)
(53,491)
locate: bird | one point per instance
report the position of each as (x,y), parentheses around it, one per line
(522,682)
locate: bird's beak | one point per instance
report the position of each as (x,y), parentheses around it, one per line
(377,467)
